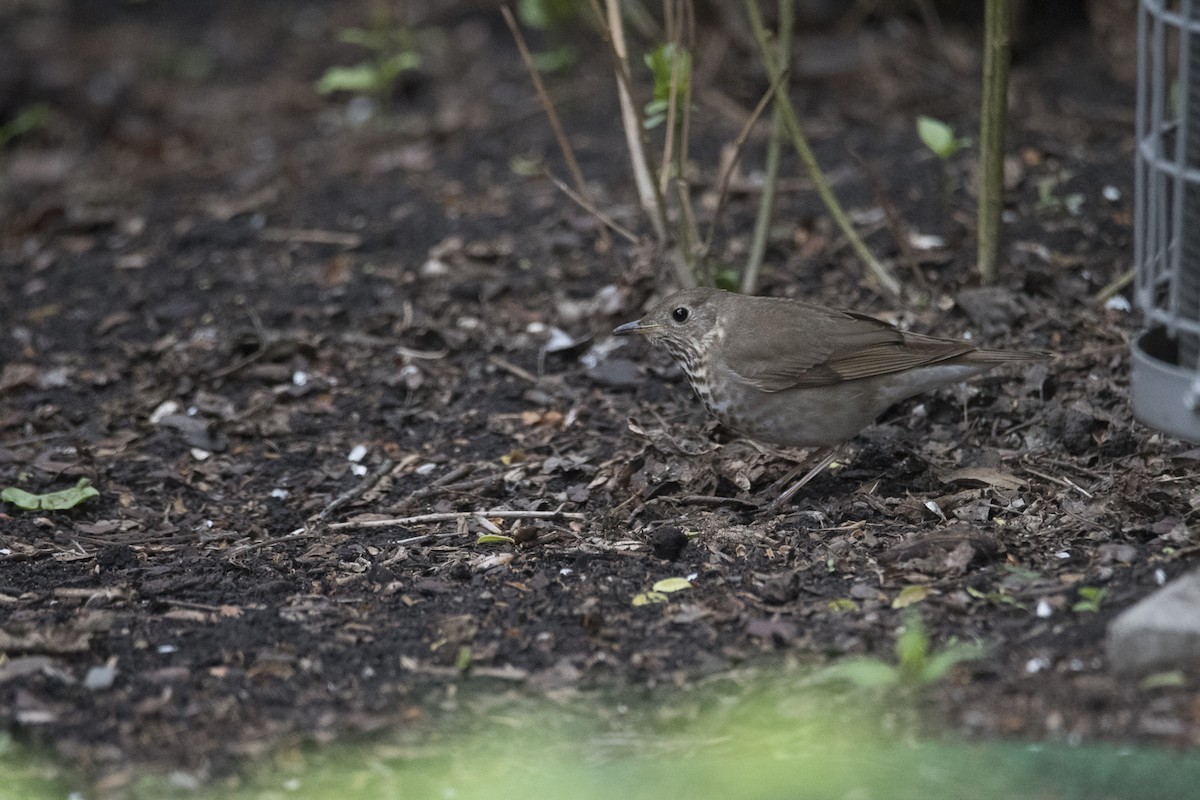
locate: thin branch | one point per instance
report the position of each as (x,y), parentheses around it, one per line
(617,227)
(688,230)
(451,516)
(355,492)
(652,202)
(766,203)
(669,137)
(739,146)
(682,32)
(564,144)
(997,23)
(894,222)
(1115,287)
(421,519)
(800,143)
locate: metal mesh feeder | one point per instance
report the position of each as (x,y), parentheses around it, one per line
(1166,356)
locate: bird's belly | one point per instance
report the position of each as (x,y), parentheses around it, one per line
(822,416)
(816,417)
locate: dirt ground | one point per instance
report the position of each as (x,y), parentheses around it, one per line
(239,313)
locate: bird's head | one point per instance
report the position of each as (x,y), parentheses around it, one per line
(684,323)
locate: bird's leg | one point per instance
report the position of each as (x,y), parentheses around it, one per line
(821,459)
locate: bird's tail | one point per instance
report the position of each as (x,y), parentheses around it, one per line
(985,356)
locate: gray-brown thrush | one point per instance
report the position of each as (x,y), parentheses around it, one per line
(798,374)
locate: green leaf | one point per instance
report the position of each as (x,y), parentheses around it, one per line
(36,116)
(359,36)
(1023,573)
(552,61)
(648,598)
(462,659)
(938,137)
(359,78)
(727,279)
(1163,680)
(996,598)
(54,501)
(668,585)
(525,166)
(534,14)
(910,595)
(842,604)
(391,67)
(545,14)
(495,538)
(1090,598)
(912,645)
(669,61)
(936,667)
(869,673)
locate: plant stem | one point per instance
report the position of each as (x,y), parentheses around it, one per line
(739,146)
(766,204)
(881,273)
(997,22)
(651,200)
(564,144)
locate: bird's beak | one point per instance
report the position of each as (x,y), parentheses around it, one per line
(632,327)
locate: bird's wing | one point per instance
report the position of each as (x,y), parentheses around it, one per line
(807,346)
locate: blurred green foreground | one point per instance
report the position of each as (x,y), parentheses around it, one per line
(726,742)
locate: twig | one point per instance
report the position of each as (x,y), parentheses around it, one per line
(295,536)
(996,55)
(766,203)
(705,500)
(555,125)
(44,437)
(894,222)
(1070,484)
(652,201)
(685,128)
(680,30)
(421,519)
(514,370)
(443,483)
(488,525)
(800,143)
(421,355)
(1096,476)
(688,230)
(739,146)
(664,171)
(587,206)
(353,493)
(311,236)
(450,516)
(264,339)
(1114,287)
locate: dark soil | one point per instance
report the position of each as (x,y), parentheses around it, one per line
(215,289)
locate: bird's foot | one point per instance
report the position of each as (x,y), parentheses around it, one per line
(821,459)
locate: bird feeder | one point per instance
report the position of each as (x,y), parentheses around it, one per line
(1166,356)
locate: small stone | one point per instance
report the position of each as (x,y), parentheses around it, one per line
(99,677)
(1160,632)
(616,373)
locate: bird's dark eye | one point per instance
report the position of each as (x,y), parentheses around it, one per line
(680,314)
